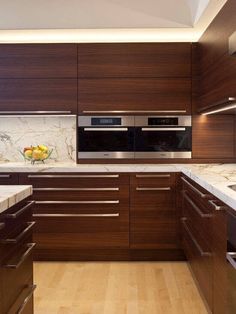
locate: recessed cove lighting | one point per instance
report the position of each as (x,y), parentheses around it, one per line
(233,106)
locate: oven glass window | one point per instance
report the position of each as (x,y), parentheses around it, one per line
(163,141)
(106,141)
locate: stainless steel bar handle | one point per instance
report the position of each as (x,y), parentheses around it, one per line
(2,225)
(38,176)
(152,175)
(163,129)
(26,300)
(5,176)
(202,195)
(217,207)
(76,189)
(20,212)
(37,112)
(30,247)
(77,202)
(195,207)
(20,236)
(154,189)
(134,111)
(194,240)
(230,258)
(106,129)
(76,215)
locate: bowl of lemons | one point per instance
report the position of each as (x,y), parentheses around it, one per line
(36,153)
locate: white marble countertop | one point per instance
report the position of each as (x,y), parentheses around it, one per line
(215,178)
(13,194)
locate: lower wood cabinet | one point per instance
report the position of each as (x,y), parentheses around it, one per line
(16,261)
(8,178)
(205,243)
(153,215)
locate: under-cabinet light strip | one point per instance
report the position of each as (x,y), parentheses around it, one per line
(219,110)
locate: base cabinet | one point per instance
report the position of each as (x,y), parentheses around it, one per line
(16,260)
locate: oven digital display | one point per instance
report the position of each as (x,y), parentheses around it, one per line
(106,121)
(162,121)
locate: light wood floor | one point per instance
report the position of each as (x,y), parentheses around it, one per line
(115,288)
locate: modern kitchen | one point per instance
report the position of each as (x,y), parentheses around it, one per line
(118,157)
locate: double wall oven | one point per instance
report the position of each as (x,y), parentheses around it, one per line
(134,137)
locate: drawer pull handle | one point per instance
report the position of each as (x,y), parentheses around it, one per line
(106,129)
(217,207)
(76,189)
(26,300)
(195,207)
(200,250)
(202,195)
(230,258)
(153,189)
(21,235)
(30,247)
(152,175)
(74,176)
(2,225)
(20,212)
(77,202)
(5,176)
(163,129)
(76,215)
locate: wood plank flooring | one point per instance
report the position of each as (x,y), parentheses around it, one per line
(115,288)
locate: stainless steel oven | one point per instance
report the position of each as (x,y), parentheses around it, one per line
(105,137)
(231,264)
(163,137)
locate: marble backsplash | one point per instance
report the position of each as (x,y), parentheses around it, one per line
(57,132)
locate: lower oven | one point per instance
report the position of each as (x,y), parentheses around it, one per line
(231,264)
(163,137)
(105,137)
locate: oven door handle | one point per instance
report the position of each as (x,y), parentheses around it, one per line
(163,129)
(106,129)
(230,258)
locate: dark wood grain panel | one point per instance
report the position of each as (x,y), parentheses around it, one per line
(214,42)
(38,94)
(134,60)
(8,178)
(213,137)
(38,61)
(134,94)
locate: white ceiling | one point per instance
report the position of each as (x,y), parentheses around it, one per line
(78,19)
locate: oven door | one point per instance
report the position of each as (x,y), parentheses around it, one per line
(106,142)
(163,142)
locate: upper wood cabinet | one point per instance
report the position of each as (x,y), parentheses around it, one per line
(21,95)
(134,60)
(134,95)
(38,61)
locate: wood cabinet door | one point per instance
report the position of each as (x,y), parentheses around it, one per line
(20,95)
(8,178)
(133,95)
(153,216)
(134,60)
(38,61)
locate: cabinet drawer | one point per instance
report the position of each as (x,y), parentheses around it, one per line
(80,180)
(8,178)
(17,270)
(199,222)
(151,180)
(200,262)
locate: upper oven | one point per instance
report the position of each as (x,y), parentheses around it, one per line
(163,137)
(105,137)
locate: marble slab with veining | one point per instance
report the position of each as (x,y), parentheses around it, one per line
(13,194)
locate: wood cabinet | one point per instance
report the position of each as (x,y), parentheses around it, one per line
(16,263)
(134,60)
(22,95)
(8,178)
(132,95)
(204,240)
(35,61)
(76,212)
(153,216)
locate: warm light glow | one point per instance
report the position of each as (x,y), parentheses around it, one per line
(233,106)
